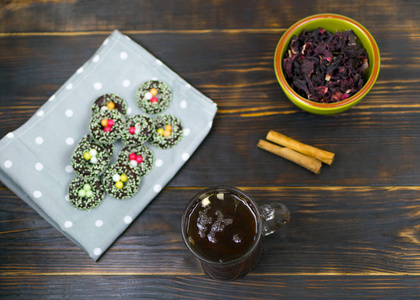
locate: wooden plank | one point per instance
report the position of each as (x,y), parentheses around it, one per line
(333,231)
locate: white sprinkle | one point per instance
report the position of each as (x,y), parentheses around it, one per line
(187,132)
(68,113)
(67,198)
(40,113)
(99,223)
(95,58)
(8,163)
(10,135)
(148,96)
(97,86)
(126,83)
(94,160)
(97,251)
(39,166)
(137,131)
(157,188)
(104,108)
(39,140)
(68,224)
(69,86)
(52,98)
(116,177)
(185,156)
(183,104)
(69,169)
(220,196)
(93,152)
(128,219)
(69,141)
(205,202)
(80,70)
(37,194)
(133,163)
(159,163)
(123,55)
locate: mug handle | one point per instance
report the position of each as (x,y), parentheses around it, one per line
(274,215)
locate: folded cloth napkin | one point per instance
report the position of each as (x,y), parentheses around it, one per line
(35,159)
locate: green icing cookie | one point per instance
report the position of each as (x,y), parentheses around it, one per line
(101,133)
(90,159)
(138,130)
(130,156)
(86,193)
(102,104)
(154,104)
(160,137)
(118,186)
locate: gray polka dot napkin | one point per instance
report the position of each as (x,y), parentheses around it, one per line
(47,140)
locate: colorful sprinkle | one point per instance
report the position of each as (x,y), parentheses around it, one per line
(110,105)
(160,131)
(119,185)
(87,156)
(123,178)
(132,130)
(153,91)
(104,122)
(110,122)
(139,159)
(107,129)
(154,100)
(132,156)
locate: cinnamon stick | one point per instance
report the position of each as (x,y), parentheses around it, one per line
(307,162)
(281,139)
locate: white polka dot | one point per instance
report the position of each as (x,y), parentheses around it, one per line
(40,113)
(8,163)
(159,163)
(69,141)
(157,188)
(129,110)
(123,55)
(106,42)
(67,198)
(97,251)
(69,86)
(99,223)
(188,86)
(68,113)
(154,78)
(126,83)
(185,156)
(10,135)
(128,219)
(97,86)
(37,194)
(159,62)
(68,224)
(183,104)
(52,98)
(80,70)
(187,132)
(39,166)
(39,140)
(68,169)
(95,58)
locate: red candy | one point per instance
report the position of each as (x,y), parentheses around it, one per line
(153,99)
(110,122)
(132,130)
(139,159)
(107,129)
(132,156)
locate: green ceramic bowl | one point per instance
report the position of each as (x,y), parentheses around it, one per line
(332,23)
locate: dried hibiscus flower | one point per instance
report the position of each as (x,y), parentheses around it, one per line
(325,67)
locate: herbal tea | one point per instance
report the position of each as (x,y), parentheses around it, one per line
(222,227)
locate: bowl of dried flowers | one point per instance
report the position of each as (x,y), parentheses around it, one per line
(326,63)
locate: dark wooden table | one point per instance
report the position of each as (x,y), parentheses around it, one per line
(354,229)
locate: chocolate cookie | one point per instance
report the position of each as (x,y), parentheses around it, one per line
(109,102)
(90,159)
(154,96)
(138,130)
(86,193)
(107,126)
(168,132)
(121,181)
(140,158)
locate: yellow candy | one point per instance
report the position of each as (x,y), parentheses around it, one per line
(104,122)
(123,178)
(154,91)
(166,133)
(160,131)
(87,156)
(168,127)
(110,105)
(119,185)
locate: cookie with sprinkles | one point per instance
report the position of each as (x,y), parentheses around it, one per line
(107,126)
(138,130)
(168,132)
(140,158)
(90,159)
(86,193)
(109,102)
(154,96)
(121,181)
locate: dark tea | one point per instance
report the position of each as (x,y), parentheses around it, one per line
(221,226)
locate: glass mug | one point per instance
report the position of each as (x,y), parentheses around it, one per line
(223,228)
